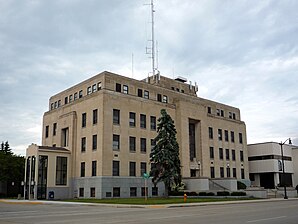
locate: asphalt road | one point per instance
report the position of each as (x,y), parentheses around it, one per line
(276,212)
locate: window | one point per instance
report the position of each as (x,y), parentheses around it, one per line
(232,136)
(89,90)
(116,191)
(81,192)
(75,96)
(234,172)
(144,191)
(221,153)
(94,89)
(241,156)
(125,89)
(146,94)
(94,117)
(222,113)
(165,99)
(56,104)
(132,119)
(228,172)
(116,168)
(159,97)
(252,177)
(234,116)
(59,103)
(94,142)
(212,173)
(226,135)
(83,144)
(211,150)
(61,170)
(140,93)
(99,86)
(82,169)
(52,106)
(80,93)
(64,137)
(227,154)
(92,192)
(116,116)
(153,123)
(118,87)
(142,120)
(133,192)
(193,173)
(116,142)
(132,144)
(230,115)
(66,100)
(143,145)
(154,191)
(153,143)
(210,132)
(219,134)
(209,110)
(84,118)
(94,165)
(47,131)
(233,155)
(143,168)
(240,138)
(54,129)
(132,169)
(218,112)
(242,174)
(222,172)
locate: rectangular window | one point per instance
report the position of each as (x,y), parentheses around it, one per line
(94,166)
(81,192)
(64,137)
(75,96)
(226,135)
(47,131)
(153,123)
(92,192)
(132,119)
(99,86)
(61,170)
(143,168)
(116,168)
(132,143)
(82,169)
(219,134)
(234,173)
(118,87)
(222,113)
(140,93)
(227,154)
(230,115)
(154,191)
(66,100)
(89,90)
(143,145)
(94,117)
(159,97)
(142,120)
(210,129)
(242,174)
(80,93)
(153,143)
(59,103)
(94,88)
(240,138)
(132,169)
(116,142)
(84,120)
(241,156)
(125,89)
(233,154)
(83,144)
(133,192)
(234,116)
(116,192)
(54,129)
(146,94)
(209,110)
(228,172)
(212,173)
(165,99)
(116,116)
(218,112)
(222,172)
(232,136)
(94,142)
(211,150)
(221,153)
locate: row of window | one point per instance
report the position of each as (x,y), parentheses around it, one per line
(132,143)
(93,169)
(227,152)
(221,113)
(133,191)
(226,135)
(140,93)
(223,174)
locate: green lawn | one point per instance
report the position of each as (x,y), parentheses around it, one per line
(153,201)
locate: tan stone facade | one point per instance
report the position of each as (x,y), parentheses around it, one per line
(102,118)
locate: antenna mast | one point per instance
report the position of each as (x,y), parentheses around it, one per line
(151,50)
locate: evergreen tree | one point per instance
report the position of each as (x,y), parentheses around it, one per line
(165,154)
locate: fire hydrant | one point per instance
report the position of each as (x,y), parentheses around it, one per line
(184,197)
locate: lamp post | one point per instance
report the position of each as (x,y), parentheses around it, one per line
(283,165)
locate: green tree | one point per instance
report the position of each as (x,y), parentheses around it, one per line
(165,154)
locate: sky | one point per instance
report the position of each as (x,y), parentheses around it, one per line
(243,53)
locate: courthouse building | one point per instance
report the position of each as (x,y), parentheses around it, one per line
(97,138)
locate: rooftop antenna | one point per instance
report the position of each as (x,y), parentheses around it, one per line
(132,65)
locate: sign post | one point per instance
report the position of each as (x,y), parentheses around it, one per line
(146,176)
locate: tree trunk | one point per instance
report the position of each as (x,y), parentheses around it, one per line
(166,190)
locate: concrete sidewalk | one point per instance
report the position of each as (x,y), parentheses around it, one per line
(36,202)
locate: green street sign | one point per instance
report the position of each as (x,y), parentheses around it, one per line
(146,175)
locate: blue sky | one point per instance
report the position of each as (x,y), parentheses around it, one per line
(243,53)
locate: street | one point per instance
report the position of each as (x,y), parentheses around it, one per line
(258,212)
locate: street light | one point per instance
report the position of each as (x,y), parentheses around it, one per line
(283,165)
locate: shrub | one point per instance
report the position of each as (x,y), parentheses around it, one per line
(240,185)
(223,193)
(192,193)
(210,194)
(176,193)
(202,194)
(238,193)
